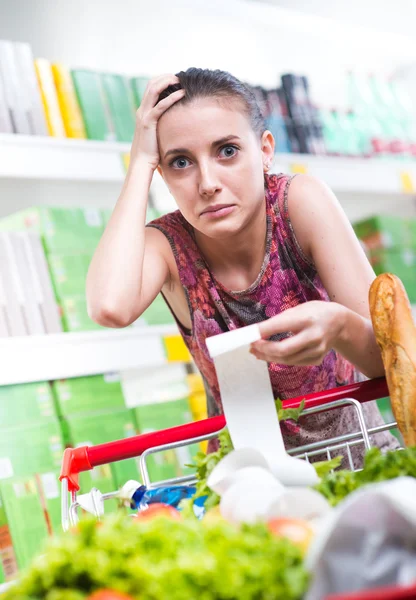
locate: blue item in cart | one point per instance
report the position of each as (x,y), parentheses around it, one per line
(171,495)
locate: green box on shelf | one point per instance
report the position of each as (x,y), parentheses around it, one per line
(88,394)
(386,231)
(119,99)
(69,272)
(157,313)
(103,427)
(94,108)
(138,86)
(32,448)
(400,262)
(62,229)
(162,415)
(75,315)
(30,511)
(2,575)
(25,403)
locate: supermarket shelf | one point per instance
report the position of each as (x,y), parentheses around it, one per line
(58,356)
(356,175)
(48,158)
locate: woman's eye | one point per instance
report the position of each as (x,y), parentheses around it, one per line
(228,151)
(180,163)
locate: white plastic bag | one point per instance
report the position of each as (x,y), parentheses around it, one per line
(368,541)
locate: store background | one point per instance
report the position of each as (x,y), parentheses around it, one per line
(257,41)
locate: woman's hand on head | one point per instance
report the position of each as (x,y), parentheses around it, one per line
(315,328)
(145,147)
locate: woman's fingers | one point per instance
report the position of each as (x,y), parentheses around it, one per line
(154,88)
(166,103)
(309,357)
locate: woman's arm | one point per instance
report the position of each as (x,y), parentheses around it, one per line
(328,239)
(130,264)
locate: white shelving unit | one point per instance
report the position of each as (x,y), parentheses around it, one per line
(47,158)
(61,164)
(58,356)
(354,175)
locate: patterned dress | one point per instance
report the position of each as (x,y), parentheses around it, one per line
(287,279)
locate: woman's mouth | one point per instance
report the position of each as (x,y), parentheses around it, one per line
(218,210)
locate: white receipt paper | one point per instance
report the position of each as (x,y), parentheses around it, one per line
(248,404)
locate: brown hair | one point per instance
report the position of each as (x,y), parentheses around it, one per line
(204,83)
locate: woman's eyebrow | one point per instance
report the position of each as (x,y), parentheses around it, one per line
(219,142)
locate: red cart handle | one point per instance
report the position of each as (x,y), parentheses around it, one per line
(85,458)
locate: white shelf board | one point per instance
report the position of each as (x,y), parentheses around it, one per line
(353,175)
(62,355)
(48,158)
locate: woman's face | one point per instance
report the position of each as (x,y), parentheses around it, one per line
(213,163)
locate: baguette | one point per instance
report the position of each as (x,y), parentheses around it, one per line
(395,333)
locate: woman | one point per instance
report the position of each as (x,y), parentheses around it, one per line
(244,247)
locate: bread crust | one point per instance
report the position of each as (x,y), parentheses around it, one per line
(395,332)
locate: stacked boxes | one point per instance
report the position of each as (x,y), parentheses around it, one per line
(69,237)
(25,404)
(31,448)
(30,510)
(31,442)
(92,411)
(80,395)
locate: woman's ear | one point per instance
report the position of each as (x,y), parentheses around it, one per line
(267,149)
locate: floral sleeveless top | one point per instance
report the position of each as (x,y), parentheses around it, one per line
(287,278)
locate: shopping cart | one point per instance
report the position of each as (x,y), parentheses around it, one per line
(77,460)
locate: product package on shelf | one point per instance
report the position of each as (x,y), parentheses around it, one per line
(25,404)
(386,232)
(13,322)
(49,98)
(120,102)
(75,316)
(29,305)
(27,283)
(31,448)
(93,104)
(36,259)
(68,102)
(88,394)
(390,244)
(29,85)
(12,90)
(6,124)
(68,273)
(400,262)
(138,86)
(61,229)
(30,511)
